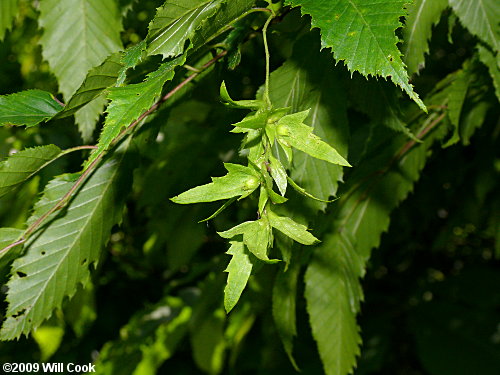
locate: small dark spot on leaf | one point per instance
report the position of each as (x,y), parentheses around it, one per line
(21,312)
(43,253)
(84,261)
(21,274)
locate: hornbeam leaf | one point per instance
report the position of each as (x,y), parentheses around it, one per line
(480,17)
(129,102)
(176,22)
(279,174)
(362,32)
(88,116)
(22,165)
(422,16)
(488,59)
(240,181)
(291,130)
(86,30)
(98,79)
(257,236)
(8,11)
(292,229)
(308,79)
(7,237)
(27,108)
(239,270)
(333,290)
(58,255)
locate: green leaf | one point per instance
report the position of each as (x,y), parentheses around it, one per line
(240,181)
(98,79)
(305,193)
(488,59)
(88,116)
(257,236)
(8,11)
(362,32)
(480,17)
(309,80)
(279,174)
(28,108)
(284,307)
(88,31)
(208,342)
(291,130)
(244,104)
(333,289)
(239,270)
(176,22)
(292,229)
(58,255)
(147,340)
(24,164)
(129,102)
(7,237)
(422,16)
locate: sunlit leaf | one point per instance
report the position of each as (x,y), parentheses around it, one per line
(239,270)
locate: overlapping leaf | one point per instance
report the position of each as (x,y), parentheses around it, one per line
(129,102)
(239,270)
(362,32)
(488,59)
(480,17)
(7,237)
(176,22)
(24,164)
(422,16)
(58,257)
(78,35)
(308,80)
(27,108)
(8,10)
(333,289)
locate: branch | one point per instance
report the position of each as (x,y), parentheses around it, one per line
(88,171)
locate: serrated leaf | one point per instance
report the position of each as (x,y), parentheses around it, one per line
(488,59)
(257,236)
(8,11)
(88,31)
(292,130)
(130,58)
(176,22)
(86,117)
(129,102)
(333,289)
(309,80)
(292,229)
(28,108)
(97,80)
(480,17)
(58,255)
(22,165)
(422,16)
(239,270)
(240,181)
(362,32)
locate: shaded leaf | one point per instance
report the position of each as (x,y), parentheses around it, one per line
(89,29)
(422,16)
(58,255)
(87,117)
(22,165)
(239,270)
(28,108)
(7,237)
(240,181)
(8,11)
(480,17)
(362,32)
(488,59)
